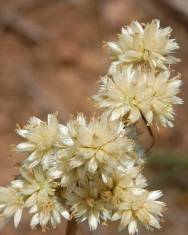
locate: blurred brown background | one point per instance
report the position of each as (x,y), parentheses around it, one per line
(51,56)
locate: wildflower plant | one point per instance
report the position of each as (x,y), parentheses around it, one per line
(91,169)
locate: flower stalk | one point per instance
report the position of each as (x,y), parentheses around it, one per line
(71,228)
(150,133)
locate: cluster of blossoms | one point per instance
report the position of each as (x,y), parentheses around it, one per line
(133,93)
(92,169)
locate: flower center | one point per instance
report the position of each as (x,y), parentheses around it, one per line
(90,202)
(146,55)
(106,195)
(46,207)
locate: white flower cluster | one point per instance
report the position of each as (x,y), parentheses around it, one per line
(133,93)
(92,169)
(138,81)
(145,45)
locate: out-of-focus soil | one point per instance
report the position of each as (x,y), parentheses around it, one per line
(60,73)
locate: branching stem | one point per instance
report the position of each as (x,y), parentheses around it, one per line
(148,129)
(150,132)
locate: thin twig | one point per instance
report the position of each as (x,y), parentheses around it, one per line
(148,128)
(11,18)
(71,228)
(25,28)
(150,132)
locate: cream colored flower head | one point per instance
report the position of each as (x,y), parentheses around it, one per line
(87,203)
(36,182)
(139,206)
(47,210)
(130,94)
(100,145)
(145,45)
(60,169)
(11,203)
(41,140)
(40,197)
(132,178)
